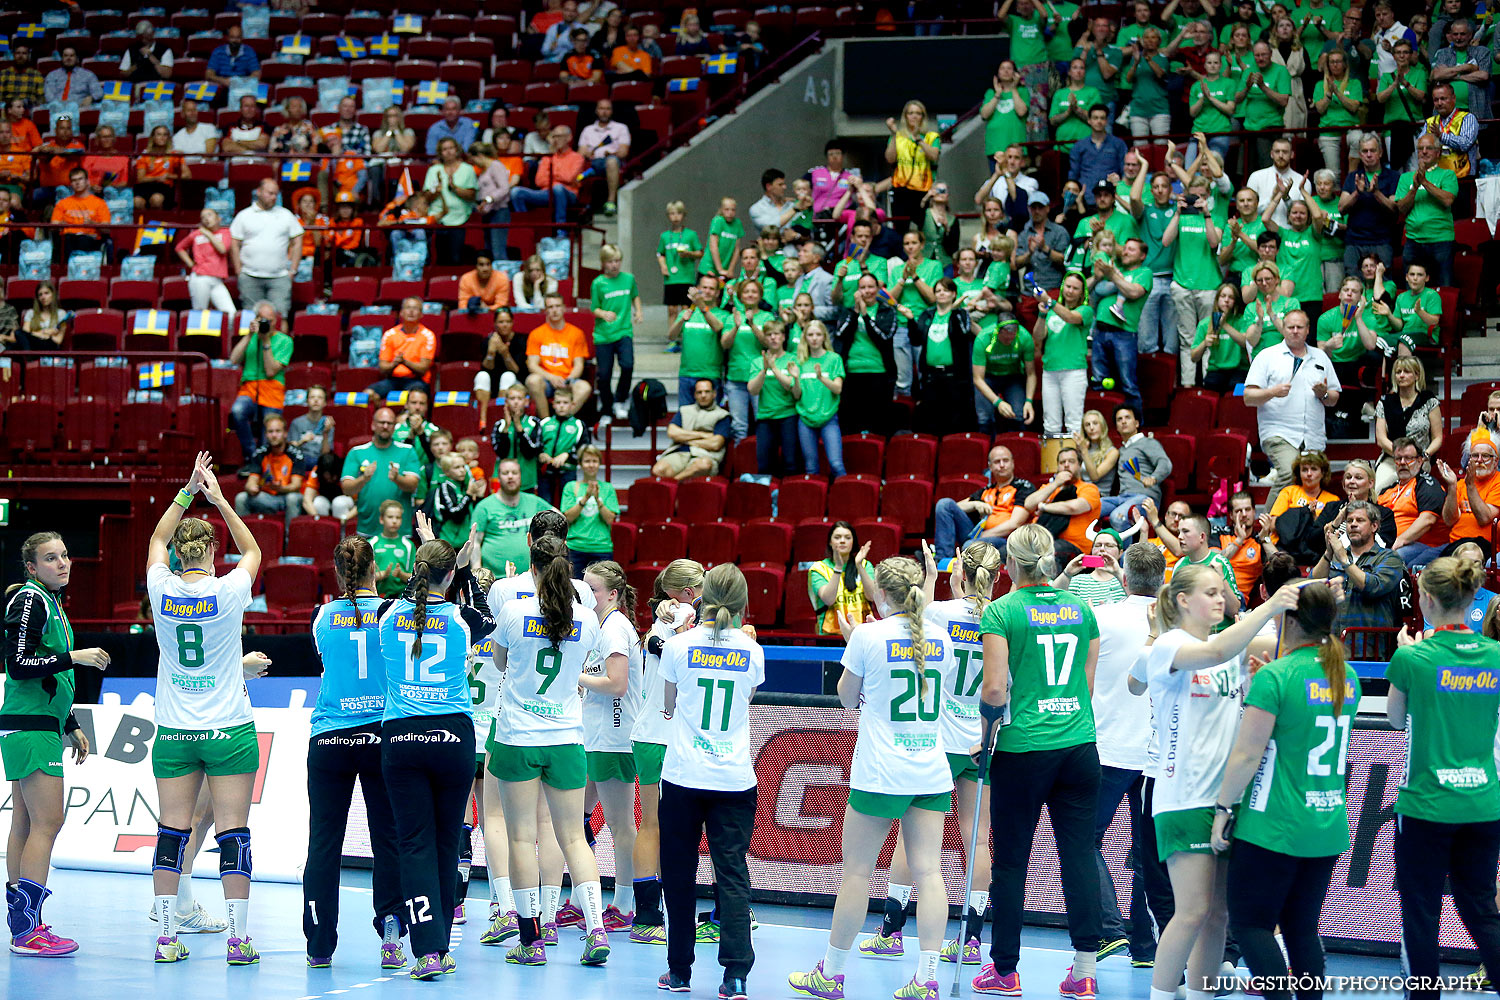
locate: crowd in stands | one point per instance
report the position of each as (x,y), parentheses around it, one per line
(1300,246)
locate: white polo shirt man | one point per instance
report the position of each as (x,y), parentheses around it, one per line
(267,242)
(1292,384)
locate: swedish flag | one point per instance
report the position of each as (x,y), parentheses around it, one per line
(722,64)
(32,30)
(432,92)
(296,171)
(407,24)
(155,374)
(351,399)
(682,84)
(159,90)
(157,322)
(204,323)
(351,48)
(247,320)
(154,236)
(296,45)
(452,399)
(116,90)
(385,45)
(200,91)
(395,398)
(262,93)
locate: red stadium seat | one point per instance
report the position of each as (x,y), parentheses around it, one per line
(1220,456)
(713,542)
(1193,409)
(1156,374)
(883,536)
(353,290)
(174,292)
(1026,450)
(1182,450)
(748,500)
(958,487)
(393,292)
(962,454)
(97,329)
(910,455)
(650,499)
(801,497)
(317,335)
(765,540)
(53,383)
(1234,415)
(456,376)
(133,294)
(864,454)
(306,374)
(663,540)
(80,293)
(30,428)
(139,432)
(908,499)
(313,537)
(107,382)
(742,459)
(459,419)
(291,587)
(796,606)
(622,540)
(354,379)
(203,338)
(154,341)
(765,583)
(810,539)
(268,532)
(853,497)
(87,426)
(700,501)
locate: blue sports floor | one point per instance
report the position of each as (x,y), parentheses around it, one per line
(108,914)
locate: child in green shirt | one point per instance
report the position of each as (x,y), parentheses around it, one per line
(616,303)
(724,236)
(562,434)
(453,499)
(393,552)
(677,253)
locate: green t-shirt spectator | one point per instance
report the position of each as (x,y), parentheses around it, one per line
(1108,89)
(1060,45)
(502,531)
(1308,18)
(1130,309)
(1150,97)
(969,288)
(1119,222)
(724,235)
(858,268)
(1257,29)
(1067,347)
(616,294)
(818,404)
(1300,261)
(775,400)
(702,357)
(1260,111)
(1337,114)
(589,533)
(1411,324)
(1004,129)
(392,553)
(1074,128)
(1429,221)
(1330,247)
(939,352)
(744,353)
(1269,335)
(1243,258)
(1152,225)
(997,278)
(563,435)
(1333,322)
(1210,119)
(380,488)
(1196,264)
(1380,325)
(1226,355)
(928,271)
(999,359)
(255,368)
(670,246)
(1401,107)
(1028,40)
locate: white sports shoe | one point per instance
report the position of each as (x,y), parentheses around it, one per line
(622,411)
(197,922)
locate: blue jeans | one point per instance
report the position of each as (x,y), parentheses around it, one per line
(1012,389)
(1117,509)
(953,528)
(605,356)
(559,197)
(1158,328)
(685,385)
(496,239)
(905,359)
(246,417)
(833,444)
(1436,257)
(1115,354)
(738,394)
(776,445)
(1417,555)
(1114,784)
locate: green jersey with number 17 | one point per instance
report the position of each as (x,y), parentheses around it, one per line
(198,618)
(539,703)
(1048,633)
(1295,804)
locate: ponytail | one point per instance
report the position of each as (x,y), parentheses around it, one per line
(554,586)
(1185,580)
(900,578)
(613,577)
(980,561)
(434,560)
(1314,617)
(679,575)
(1030,547)
(725,597)
(353,558)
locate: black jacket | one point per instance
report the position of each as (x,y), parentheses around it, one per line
(960,335)
(879,326)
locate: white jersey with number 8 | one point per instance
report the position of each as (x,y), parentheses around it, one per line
(539,703)
(198,621)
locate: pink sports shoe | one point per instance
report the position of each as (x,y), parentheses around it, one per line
(990,981)
(615,921)
(42,943)
(569,915)
(1078,989)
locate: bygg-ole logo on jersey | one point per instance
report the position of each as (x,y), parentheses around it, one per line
(1320,692)
(190,609)
(406,622)
(485,648)
(1468,680)
(349,620)
(536,628)
(1053,615)
(900,651)
(965,633)
(709,658)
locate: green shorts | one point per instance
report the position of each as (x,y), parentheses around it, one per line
(26,753)
(1189,831)
(649,758)
(563,766)
(884,806)
(177,752)
(961,765)
(605,765)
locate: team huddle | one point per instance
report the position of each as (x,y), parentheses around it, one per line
(534,698)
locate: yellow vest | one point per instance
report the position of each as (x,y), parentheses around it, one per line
(1456,162)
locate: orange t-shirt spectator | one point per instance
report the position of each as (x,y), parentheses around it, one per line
(25,133)
(555,355)
(630,57)
(1480,475)
(54,168)
(490,287)
(1045,509)
(408,350)
(15,163)
(81,210)
(561,167)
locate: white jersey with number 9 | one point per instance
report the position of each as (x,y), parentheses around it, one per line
(539,703)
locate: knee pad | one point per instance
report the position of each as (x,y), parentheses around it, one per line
(234,852)
(171,847)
